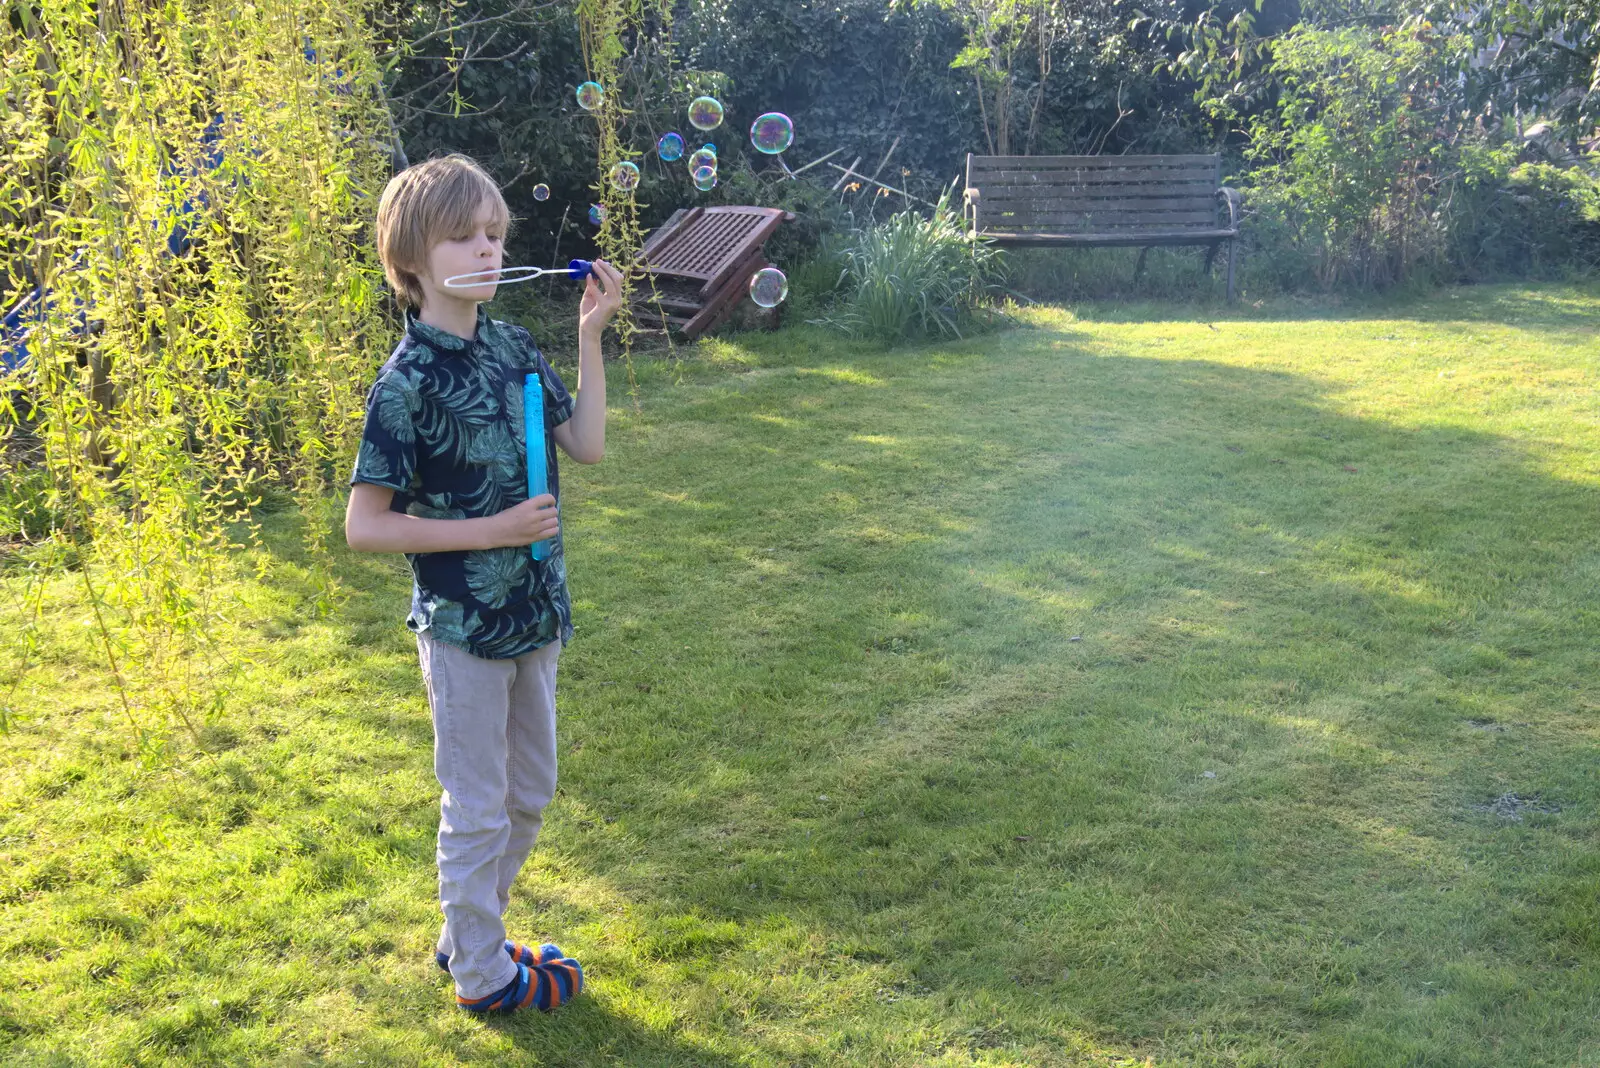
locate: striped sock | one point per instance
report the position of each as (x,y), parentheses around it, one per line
(546,987)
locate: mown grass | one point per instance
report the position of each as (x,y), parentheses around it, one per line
(1135,687)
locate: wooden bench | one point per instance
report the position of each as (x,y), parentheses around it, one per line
(700,262)
(1089,201)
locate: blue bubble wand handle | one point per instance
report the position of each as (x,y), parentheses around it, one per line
(533,434)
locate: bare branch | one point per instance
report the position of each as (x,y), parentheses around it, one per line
(483,20)
(474,112)
(403,98)
(522,173)
(513,54)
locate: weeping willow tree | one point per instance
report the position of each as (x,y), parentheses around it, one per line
(608,29)
(186,192)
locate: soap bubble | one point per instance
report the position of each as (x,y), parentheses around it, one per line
(703,157)
(705,113)
(709,147)
(597,213)
(590,96)
(772,133)
(670,147)
(768,287)
(541,192)
(625,175)
(705,179)
(702,172)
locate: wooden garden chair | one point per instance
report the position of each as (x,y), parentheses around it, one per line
(700,262)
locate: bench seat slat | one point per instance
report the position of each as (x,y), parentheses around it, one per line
(1091,220)
(1126,239)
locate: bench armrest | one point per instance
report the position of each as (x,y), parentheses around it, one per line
(1235,205)
(971,197)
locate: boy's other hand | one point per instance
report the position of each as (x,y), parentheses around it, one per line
(523,524)
(602,297)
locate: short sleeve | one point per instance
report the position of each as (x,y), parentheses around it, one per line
(388,453)
(557,399)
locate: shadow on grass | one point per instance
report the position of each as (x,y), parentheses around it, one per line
(937,677)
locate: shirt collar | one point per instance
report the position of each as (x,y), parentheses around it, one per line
(444,340)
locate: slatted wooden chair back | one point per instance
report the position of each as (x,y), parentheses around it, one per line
(700,262)
(1095,196)
(706,244)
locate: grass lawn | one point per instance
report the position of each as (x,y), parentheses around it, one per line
(1145,685)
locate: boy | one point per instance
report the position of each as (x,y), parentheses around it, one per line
(441,476)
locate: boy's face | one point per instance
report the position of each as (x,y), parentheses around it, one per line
(479,249)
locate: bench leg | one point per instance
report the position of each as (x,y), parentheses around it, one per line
(1211,255)
(1138,269)
(1233,249)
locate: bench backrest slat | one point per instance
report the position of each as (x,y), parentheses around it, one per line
(1041,163)
(1095,194)
(1122,204)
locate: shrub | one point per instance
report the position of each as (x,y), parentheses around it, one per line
(1543,220)
(914,277)
(1360,162)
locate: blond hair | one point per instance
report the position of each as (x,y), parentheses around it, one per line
(425,204)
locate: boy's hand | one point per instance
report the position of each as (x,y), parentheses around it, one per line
(602,297)
(523,524)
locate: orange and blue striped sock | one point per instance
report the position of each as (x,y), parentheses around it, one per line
(546,987)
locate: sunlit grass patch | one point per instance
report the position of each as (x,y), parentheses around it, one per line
(1180,687)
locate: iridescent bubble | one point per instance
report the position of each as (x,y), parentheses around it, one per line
(670,147)
(709,147)
(597,213)
(768,287)
(703,157)
(590,96)
(625,175)
(705,179)
(702,172)
(772,133)
(705,113)
(541,192)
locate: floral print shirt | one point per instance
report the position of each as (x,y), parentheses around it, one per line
(444,430)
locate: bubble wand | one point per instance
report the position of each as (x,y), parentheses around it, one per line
(533,435)
(532,390)
(577,270)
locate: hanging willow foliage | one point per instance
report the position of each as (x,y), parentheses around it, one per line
(186,194)
(604,28)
